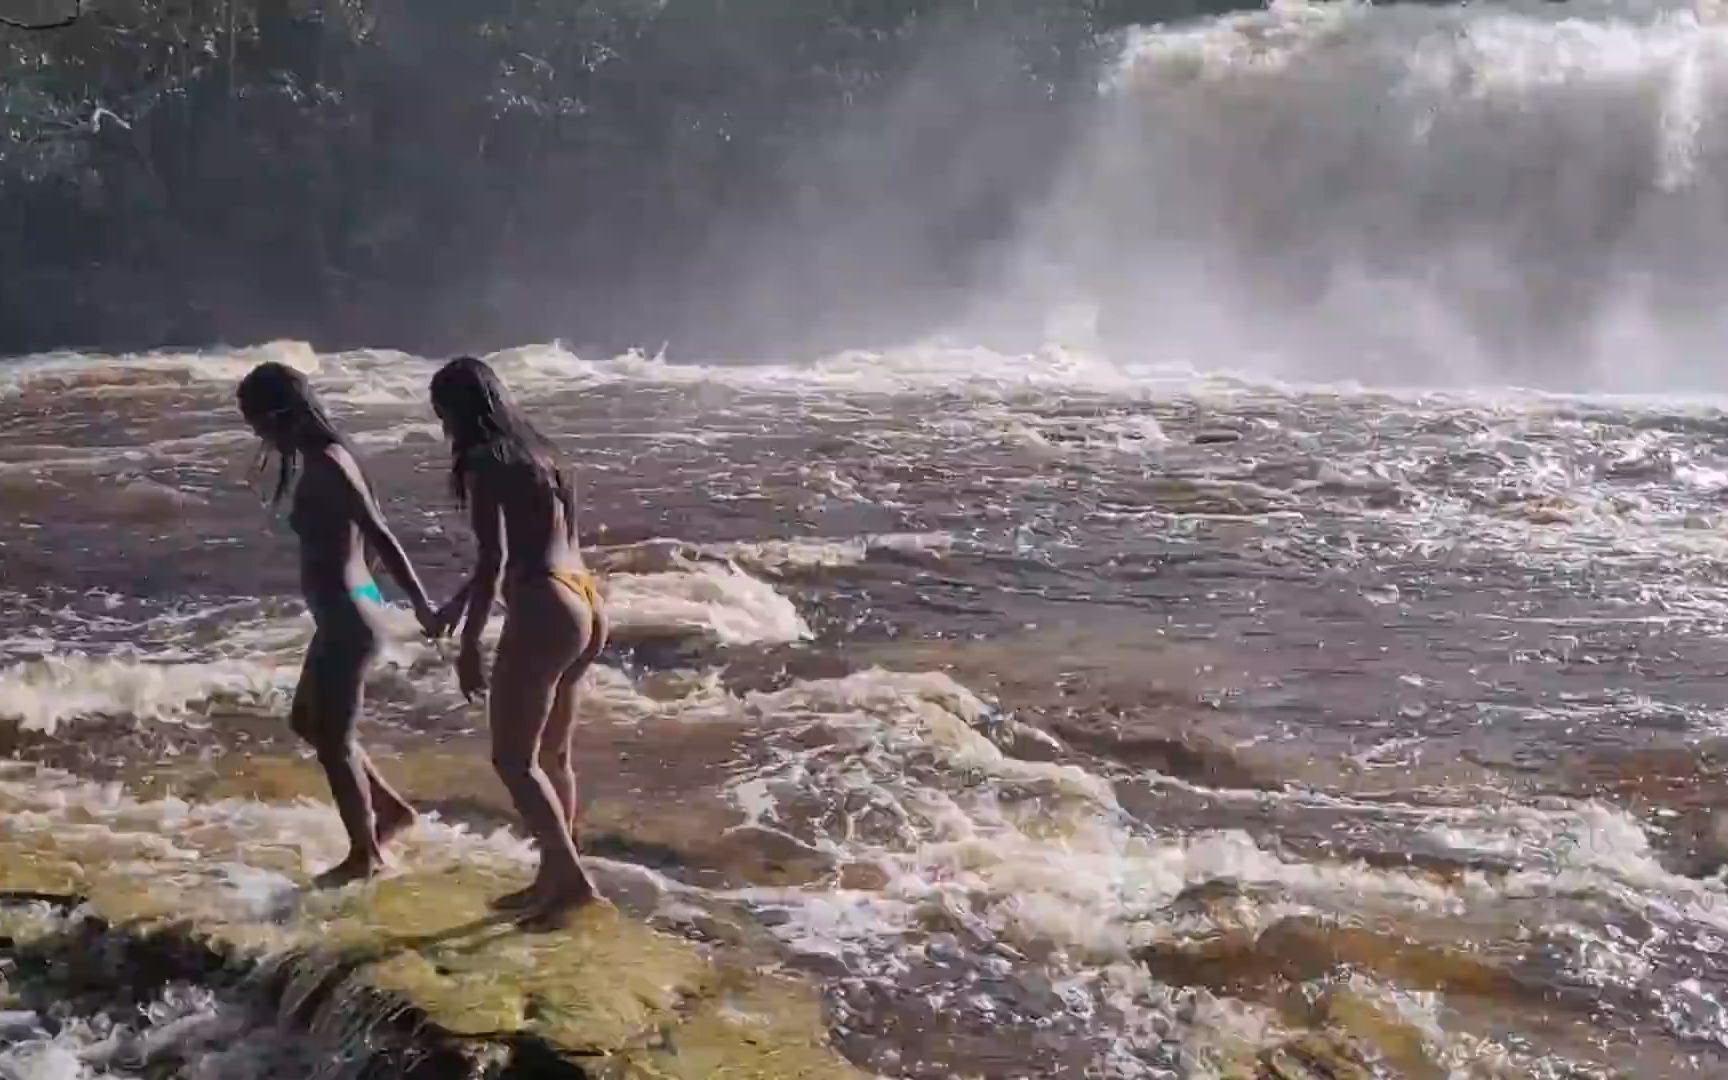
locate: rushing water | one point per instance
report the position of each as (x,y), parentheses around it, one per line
(1075,712)
(1463,193)
(1051,716)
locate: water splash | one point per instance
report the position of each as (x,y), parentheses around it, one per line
(1486,192)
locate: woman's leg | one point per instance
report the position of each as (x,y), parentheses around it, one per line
(392,814)
(557,747)
(303,715)
(338,672)
(539,643)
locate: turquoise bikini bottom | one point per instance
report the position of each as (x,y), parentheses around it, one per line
(368,591)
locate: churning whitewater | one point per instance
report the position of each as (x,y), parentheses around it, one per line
(1525,192)
(1159,702)
(1109,709)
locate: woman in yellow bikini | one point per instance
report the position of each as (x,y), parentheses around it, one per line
(337,520)
(522,503)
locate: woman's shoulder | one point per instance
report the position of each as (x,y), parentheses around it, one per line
(496,458)
(484,459)
(480,453)
(334,453)
(489,468)
(333,471)
(333,459)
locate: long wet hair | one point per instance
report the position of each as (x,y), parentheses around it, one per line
(280,400)
(482,418)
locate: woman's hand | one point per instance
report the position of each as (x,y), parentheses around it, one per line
(447,618)
(471,670)
(428,619)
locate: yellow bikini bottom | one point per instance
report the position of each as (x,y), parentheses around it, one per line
(580,582)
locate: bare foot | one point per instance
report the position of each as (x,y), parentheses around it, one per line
(393,821)
(356,867)
(555,916)
(520,900)
(559,905)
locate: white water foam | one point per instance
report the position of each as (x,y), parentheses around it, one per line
(223,366)
(375,378)
(1038,859)
(1032,857)
(792,556)
(255,661)
(717,602)
(42,694)
(232,874)
(955,822)
(1444,193)
(978,373)
(192,1030)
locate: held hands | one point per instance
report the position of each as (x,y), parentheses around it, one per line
(428,619)
(447,618)
(470,668)
(438,624)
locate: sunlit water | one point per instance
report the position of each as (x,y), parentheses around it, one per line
(1052,716)
(1068,713)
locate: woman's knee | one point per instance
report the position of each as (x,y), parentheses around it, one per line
(302,722)
(555,755)
(513,762)
(335,747)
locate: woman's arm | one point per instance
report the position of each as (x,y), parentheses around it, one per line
(486,515)
(487,518)
(449,616)
(363,508)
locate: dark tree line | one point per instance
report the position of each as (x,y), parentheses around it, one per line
(441,174)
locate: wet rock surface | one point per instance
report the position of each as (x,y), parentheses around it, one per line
(412,974)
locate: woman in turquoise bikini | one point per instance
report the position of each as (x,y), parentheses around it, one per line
(337,520)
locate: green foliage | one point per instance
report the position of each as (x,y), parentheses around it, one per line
(448,173)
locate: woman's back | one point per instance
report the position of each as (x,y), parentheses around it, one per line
(537,537)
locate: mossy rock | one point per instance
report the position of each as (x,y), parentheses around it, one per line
(753,1030)
(38,869)
(606,992)
(1398,1043)
(1302,949)
(1315,1056)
